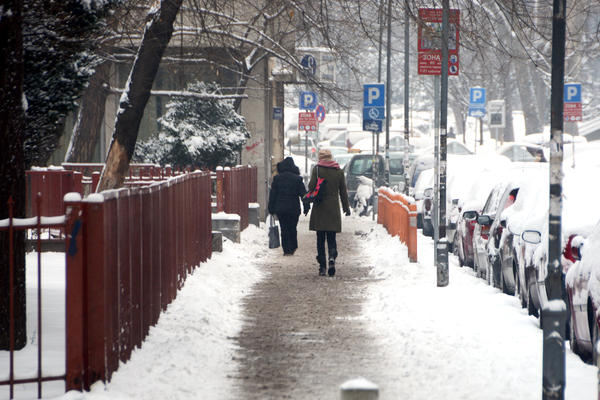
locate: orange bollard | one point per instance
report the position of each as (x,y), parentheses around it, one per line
(412,233)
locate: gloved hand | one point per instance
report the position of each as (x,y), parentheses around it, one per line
(347,212)
(306,209)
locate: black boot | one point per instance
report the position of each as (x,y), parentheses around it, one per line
(331,270)
(321,261)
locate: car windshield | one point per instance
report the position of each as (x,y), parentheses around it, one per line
(339,139)
(362,166)
(396,166)
(525,153)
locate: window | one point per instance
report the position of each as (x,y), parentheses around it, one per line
(363,166)
(396,166)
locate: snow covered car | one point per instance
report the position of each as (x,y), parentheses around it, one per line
(580,212)
(301,145)
(524,152)
(345,138)
(463,242)
(423,191)
(583,293)
(425,159)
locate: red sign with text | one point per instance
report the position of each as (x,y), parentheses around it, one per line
(307,121)
(572,112)
(430,41)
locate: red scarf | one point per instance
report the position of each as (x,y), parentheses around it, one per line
(328,164)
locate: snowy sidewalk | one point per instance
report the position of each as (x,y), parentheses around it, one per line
(253,324)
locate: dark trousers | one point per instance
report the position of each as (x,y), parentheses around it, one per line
(331,246)
(289,234)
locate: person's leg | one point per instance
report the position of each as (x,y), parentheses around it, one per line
(321,251)
(332,245)
(332,250)
(285,223)
(293,232)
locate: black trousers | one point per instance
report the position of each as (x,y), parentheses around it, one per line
(331,246)
(289,233)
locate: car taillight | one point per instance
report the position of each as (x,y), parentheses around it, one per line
(485,232)
(572,251)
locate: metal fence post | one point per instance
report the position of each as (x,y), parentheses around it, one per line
(76,302)
(554,314)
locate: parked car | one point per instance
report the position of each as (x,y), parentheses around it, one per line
(524,152)
(328,131)
(426,160)
(345,139)
(423,194)
(465,226)
(362,165)
(471,200)
(342,158)
(499,198)
(509,251)
(580,212)
(397,143)
(583,293)
(397,169)
(301,145)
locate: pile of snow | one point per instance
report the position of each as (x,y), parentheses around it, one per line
(464,341)
(196,329)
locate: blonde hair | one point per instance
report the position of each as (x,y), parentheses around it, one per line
(325,154)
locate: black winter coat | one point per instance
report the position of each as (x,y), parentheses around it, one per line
(287,189)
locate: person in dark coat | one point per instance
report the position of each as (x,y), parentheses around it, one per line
(286,192)
(326,218)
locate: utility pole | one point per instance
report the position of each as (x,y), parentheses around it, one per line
(406,89)
(388,95)
(554,312)
(442,246)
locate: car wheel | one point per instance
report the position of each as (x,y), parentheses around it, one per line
(572,338)
(519,291)
(595,343)
(531,309)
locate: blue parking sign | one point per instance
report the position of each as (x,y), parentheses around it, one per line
(572,93)
(374,95)
(308,100)
(477,96)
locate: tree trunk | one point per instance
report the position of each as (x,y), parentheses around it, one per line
(531,113)
(508,133)
(156,38)
(88,127)
(12,170)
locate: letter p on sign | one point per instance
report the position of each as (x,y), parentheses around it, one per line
(572,93)
(374,95)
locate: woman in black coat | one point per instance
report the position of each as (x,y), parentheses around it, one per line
(286,192)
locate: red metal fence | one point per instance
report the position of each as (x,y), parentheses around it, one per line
(128,251)
(11,225)
(235,188)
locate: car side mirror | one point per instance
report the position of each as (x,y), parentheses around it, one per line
(484,220)
(470,215)
(530,236)
(503,223)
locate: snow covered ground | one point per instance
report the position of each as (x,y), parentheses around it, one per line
(464,341)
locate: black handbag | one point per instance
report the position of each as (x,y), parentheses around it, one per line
(316,195)
(273,234)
